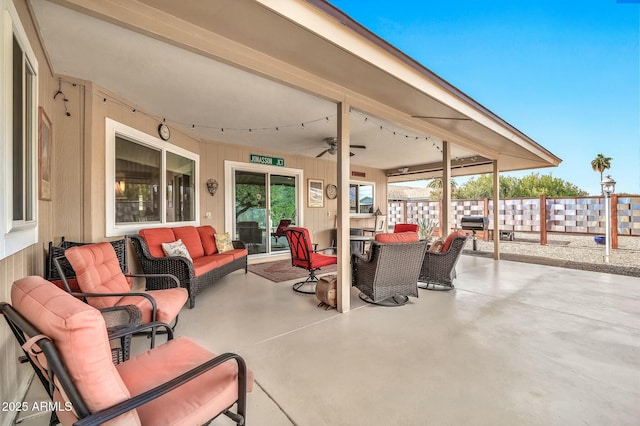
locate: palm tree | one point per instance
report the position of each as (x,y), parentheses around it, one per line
(436,186)
(600,164)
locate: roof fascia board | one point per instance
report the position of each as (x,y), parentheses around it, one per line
(359,41)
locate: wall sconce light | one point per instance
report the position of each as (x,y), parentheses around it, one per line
(212,186)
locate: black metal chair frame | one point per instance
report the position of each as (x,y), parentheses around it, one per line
(118,320)
(297,241)
(62,273)
(56,369)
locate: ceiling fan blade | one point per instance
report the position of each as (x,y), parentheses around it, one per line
(322,153)
(358,146)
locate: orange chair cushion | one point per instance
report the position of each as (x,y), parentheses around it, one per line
(405,227)
(450,237)
(318,260)
(191,239)
(169,302)
(154,238)
(208,240)
(80,336)
(211,392)
(98,271)
(402,237)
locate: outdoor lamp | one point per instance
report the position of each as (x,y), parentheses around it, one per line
(212,186)
(608,187)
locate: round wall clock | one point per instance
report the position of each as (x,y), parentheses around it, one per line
(332,191)
(164,132)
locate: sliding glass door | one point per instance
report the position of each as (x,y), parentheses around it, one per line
(262,197)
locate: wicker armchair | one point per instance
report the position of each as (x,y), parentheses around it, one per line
(439,268)
(182,268)
(388,274)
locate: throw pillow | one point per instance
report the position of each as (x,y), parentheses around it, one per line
(176,248)
(436,246)
(223,242)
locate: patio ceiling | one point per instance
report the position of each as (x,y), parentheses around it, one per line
(267,64)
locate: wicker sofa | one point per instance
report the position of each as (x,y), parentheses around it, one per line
(208,263)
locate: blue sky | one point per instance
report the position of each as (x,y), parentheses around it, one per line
(566,73)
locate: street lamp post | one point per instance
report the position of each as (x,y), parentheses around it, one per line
(608,187)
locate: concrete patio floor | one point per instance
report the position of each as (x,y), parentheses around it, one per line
(514,344)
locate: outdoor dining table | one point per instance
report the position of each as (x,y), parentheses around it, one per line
(361,240)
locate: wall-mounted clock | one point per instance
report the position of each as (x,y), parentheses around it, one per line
(164,132)
(332,191)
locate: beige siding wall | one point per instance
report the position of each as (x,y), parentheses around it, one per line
(30,261)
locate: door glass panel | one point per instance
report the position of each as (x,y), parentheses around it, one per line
(250,205)
(282,209)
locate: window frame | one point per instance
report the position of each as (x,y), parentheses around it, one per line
(16,235)
(115,129)
(358,184)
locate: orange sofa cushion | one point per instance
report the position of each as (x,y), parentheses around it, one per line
(80,335)
(154,237)
(213,391)
(191,239)
(402,237)
(205,264)
(207,234)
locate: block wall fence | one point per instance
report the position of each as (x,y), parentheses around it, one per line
(574,215)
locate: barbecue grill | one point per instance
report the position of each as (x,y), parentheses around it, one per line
(474,224)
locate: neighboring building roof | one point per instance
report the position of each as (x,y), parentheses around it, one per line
(395,192)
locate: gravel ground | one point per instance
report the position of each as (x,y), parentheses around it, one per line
(571,251)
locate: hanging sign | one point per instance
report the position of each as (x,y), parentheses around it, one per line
(265,159)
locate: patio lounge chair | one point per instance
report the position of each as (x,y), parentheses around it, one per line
(304,256)
(388,273)
(103,285)
(177,383)
(439,267)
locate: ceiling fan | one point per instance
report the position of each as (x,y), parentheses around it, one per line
(333,147)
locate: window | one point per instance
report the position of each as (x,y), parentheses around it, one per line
(361,198)
(19,86)
(149,182)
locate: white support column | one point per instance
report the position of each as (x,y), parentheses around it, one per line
(445,220)
(344,251)
(496,211)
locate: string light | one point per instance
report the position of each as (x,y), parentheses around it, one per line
(251,130)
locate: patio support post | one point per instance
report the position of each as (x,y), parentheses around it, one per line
(614,221)
(445,224)
(496,211)
(343,244)
(543,220)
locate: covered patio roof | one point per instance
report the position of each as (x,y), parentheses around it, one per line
(269,73)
